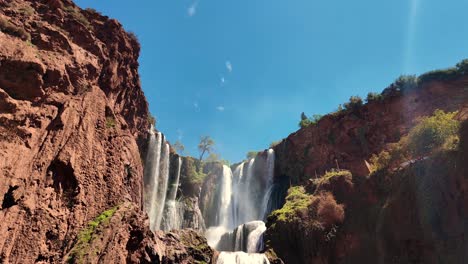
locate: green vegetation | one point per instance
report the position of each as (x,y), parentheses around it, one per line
(86,236)
(206,145)
(93,11)
(438,132)
(251,154)
(373,97)
(354,103)
(335,173)
(110,122)
(193,170)
(406,83)
(26,10)
(297,200)
(151,119)
(213,157)
(275,143)
(179,147)
(431,133)
(13,30)
(306,121)
(447,74)
(76,14)
(319,212)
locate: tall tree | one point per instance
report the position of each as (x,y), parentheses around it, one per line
(206,145)
(179,147)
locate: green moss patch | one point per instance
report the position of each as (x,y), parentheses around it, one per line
(86,236)
(297,200)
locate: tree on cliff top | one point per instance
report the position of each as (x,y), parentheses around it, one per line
(179,147)
(205,146)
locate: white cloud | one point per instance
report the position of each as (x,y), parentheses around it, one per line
(223,80)
(192,10)
(196,106)
(229,66)
(220,108)
(180,134)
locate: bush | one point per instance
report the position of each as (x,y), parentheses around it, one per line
(93,11)
(251,154)
(372,97)
(297,200)
(380,161)
(76,14)
(431,133)
(151,119)
(460,69)
(354,103)
(275,143)
(110,122)
(329,212)
(406,83)
(13,30)
(306,121)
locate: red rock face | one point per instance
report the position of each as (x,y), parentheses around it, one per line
(413,215)
(71,113)
(348,139)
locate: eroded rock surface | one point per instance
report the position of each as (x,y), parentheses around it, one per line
(73,120)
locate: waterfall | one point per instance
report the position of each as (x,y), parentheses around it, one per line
(156,184)
(244,202)
(270,164)
(241,258)
(152,176)
(225,215)
(173,214)
(237,178)
(162,192)
(246,237)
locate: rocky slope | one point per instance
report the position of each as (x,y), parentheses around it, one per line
(73,120)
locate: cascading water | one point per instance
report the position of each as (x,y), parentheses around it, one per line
(245,237)
(156,182)
(244,199)
(244,202)
(162,191)
(267,206)
(225,212)
(172,215)
(241,258)
(152,176)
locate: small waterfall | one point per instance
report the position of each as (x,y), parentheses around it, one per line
(246,237)
(270,169)
(241,258)
(173,214)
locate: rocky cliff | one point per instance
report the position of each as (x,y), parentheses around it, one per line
(73,120)
(411,213)
(348,138)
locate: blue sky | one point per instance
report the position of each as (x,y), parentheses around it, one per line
(243,71)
